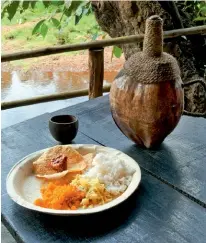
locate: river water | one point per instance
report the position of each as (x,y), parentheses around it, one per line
(16,85)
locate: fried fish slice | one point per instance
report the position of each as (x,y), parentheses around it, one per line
(71,168)
(43,165)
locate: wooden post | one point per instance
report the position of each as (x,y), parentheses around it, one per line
(96,72)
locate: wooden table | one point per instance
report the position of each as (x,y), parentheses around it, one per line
(169,205)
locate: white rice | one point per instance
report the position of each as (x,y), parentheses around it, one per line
(112,171)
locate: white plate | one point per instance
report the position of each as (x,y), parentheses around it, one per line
(23,187)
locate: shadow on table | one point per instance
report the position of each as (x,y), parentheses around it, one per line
(161,162)
(96,224)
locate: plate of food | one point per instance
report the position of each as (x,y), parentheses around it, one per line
(73,179)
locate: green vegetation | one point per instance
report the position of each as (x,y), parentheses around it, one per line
(71,34)
(25,16)
(41,23)
(23,26)
(198,9)
(50,23)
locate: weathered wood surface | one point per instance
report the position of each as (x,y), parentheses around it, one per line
(96,72)
(180,160)
(98,44)
(155,213)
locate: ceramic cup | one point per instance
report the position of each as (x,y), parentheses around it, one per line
(63,128)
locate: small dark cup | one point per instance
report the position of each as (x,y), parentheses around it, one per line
(63,128)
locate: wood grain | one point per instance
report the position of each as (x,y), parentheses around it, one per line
(96,72)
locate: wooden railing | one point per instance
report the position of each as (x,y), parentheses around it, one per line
(96,63)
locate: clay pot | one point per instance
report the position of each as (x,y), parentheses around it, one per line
(146,97)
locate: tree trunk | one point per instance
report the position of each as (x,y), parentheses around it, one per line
(122,18)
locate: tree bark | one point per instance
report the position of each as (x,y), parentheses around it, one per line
(122,18)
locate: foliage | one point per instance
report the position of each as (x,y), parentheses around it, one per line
(117,52)
(78,9)
(60,13)
(201,14)
(20,35)
(197,9)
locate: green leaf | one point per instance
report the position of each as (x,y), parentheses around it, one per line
(33,3)
(203,9)
(77,19)
(3,13)
(46,4)
(37,27)
(72,8)
(68,12)
(117,51)
(85,11)
(25,5)
(68,3)
(57,3)
(44,30)
(90,10)
(12,8)
(200,18)
(76,4)
(55,22)
(79,11)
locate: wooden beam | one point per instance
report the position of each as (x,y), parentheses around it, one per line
(98,44)
(46,98)
(96,72)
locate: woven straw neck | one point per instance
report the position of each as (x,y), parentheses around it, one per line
(152,65)
(153,40)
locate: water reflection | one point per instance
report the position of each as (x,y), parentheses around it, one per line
(17,85)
